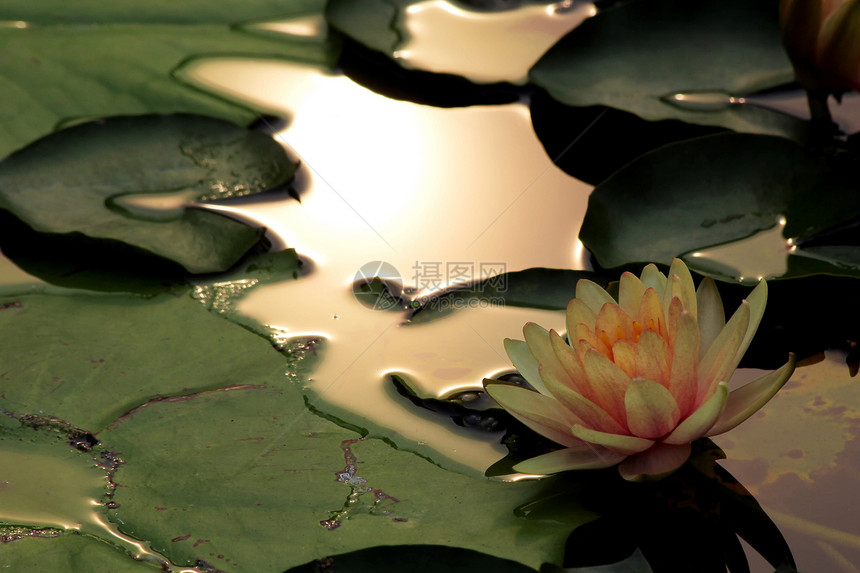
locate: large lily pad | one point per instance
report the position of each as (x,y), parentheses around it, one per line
(222,456)
(415,558)
(50,72)
(88,359)
(681,199)
(68,553)
(86,179)
(256,457)
(371,22)
(633,55)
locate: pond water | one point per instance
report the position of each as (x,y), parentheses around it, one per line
(440,195)
(431,199)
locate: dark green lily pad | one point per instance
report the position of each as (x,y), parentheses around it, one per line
(636,563)
(416,559)
(685,198)
(631,56)
(695,516)
(88,359)
(221,454)
(49,74)
(371,22)
(84,179)
(550,289)
(68,553)
(257,456)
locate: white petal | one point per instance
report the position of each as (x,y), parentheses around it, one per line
(680,284)
(525,363)
(592,294)
(630,293)
(651,409)
(748,399)
(653,278)
(712,315)
(543,415)
(617,442)
(757,301)
(719,362)
(699,422)
(576,458)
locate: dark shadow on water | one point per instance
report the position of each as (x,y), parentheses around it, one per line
(602,145)
(692,520)
(380,74)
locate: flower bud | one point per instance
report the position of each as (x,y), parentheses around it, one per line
(822,39)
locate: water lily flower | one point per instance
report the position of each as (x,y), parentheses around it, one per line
(822,39)
(640,378)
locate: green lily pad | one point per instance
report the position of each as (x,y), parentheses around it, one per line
(371,22)
(49,75)
(88,359)
(685,199)
(216,440)
(89,178)
(68,553)
(258,456)
(56,485)
(414,558)
(634,55)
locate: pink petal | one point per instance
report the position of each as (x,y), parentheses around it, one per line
(620,443)
(590,414)
(651,313)
(587,458)
(673,317)
(699,422)
(651,410)
(571,363)
(609,383)
(586,340)
(712,316)
(592,294)
(624,355)
(719,362)
(652,357)
(680,284)
(683,379)
(544,415)
(613,324)
(746,400)
(630,293)
(579,313)
(654,463)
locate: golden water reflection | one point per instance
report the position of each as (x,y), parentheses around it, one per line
(749,260)
(485,47)
(310,26)
(425,189)
(45,485)
(798,457)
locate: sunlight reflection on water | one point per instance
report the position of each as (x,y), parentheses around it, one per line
(423,189)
